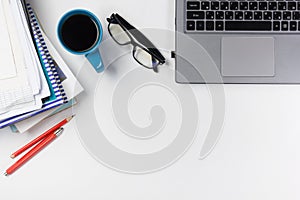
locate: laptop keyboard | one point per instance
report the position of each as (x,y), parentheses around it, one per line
(281,16)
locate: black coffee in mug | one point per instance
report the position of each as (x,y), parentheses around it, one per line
(79,33)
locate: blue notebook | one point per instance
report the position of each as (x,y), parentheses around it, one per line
(58,96)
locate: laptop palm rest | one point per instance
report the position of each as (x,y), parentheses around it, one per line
(248,57)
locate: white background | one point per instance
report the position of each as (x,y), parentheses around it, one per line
(256,158)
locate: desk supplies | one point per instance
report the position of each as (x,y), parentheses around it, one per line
(38,139)
(20,94)
(41,142)
(46,140)
(40,82)
(57,96)
(70,84)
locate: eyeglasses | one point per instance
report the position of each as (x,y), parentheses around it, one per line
(144,52)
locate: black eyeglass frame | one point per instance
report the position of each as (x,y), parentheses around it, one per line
(137,39)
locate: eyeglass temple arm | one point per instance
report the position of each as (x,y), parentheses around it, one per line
(141,38)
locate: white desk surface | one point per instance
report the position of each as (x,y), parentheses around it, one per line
(257,156)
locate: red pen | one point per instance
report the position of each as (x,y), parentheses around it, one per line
(44,135)
(33,151)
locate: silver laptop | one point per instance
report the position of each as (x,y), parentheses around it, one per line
(254,41)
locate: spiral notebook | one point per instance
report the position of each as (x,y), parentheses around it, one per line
(58,96)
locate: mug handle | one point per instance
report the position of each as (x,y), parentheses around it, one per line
(95,59)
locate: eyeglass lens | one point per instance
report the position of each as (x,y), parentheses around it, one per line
(119,34)
(144,58)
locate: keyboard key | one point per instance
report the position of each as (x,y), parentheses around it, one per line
(215,5)
(287,15)
(210,15)
(253,5)
(284,26)
(224,5)
(219,25)
(293,26)
(243,5)
(272,5)
(193,5)
(248,25)
(234,5)
(200,25)
(190,26)
(220,15)
(276,26)
(281,5)
(277,16)
(195,14)
(263,5)
(258,15)
(205,5)
(292,6)
(209,25)
(296,15)
(229,15)
(238,15)
(248,15)
(298,26)
(298,7)
(267,15)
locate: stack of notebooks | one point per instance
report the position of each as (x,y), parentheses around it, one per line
(34,81)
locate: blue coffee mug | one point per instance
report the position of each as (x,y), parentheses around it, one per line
(92,52)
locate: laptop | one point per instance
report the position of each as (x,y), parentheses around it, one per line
(245,41)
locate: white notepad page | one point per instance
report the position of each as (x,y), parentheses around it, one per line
(16,94)
(7,65)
